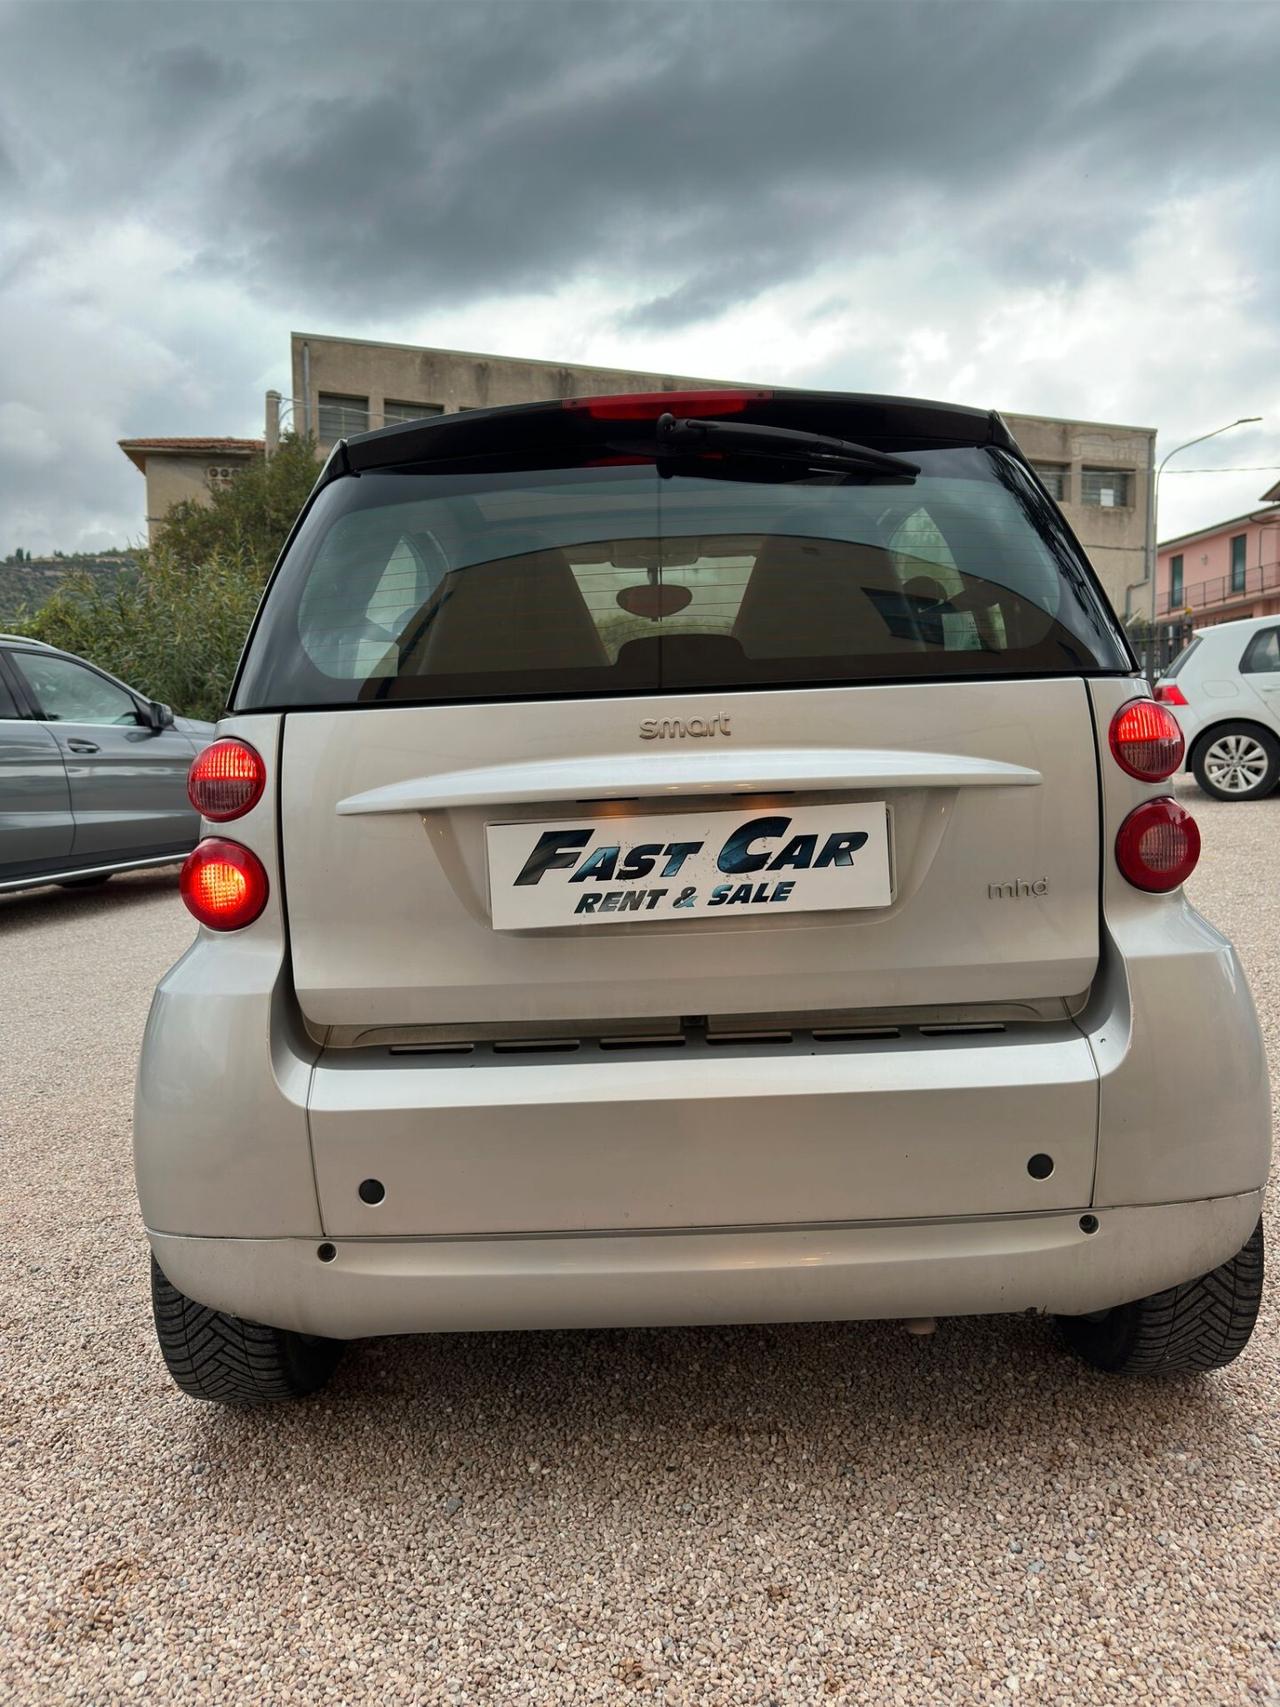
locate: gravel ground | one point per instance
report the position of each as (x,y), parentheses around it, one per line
(784,1515)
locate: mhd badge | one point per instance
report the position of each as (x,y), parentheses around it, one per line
(688,865)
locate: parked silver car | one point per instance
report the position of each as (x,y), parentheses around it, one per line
(694,858)
(93,775)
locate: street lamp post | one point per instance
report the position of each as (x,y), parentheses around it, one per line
(1153,529)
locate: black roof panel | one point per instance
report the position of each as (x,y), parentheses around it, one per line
(561,424)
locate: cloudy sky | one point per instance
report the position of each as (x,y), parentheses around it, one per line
(1067,207)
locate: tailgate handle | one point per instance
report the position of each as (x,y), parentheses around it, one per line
(615,776)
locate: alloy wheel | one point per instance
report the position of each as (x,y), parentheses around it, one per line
(1236,763)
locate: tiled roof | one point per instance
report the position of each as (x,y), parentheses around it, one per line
(137,450)
(191,444)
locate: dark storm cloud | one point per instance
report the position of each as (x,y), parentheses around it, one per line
(176,83)
(370,165)
(706,293)
(391,157)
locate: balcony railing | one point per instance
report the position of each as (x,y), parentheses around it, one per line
(1206,595)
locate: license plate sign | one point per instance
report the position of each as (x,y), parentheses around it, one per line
(757,862)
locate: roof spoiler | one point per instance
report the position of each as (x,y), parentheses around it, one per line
(561,425)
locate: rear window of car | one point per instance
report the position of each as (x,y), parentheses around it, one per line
(1262,655)
(1180,661)
(425,584)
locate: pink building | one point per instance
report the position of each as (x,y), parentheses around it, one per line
(1223,572)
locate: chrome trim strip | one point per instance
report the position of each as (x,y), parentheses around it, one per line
(39,880)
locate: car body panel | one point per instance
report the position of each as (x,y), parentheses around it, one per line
(987,1265)
(413,942)
(221,1117)
(707,1133)
(36,824)
(128,788)
(1184,1098)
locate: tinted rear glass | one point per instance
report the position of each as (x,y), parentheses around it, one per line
(425,584)
(1262,655)
(1180,661)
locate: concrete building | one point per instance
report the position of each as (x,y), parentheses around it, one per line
(348,385)
(178,470)
(1222,573)
(1101,476)
(1099,473)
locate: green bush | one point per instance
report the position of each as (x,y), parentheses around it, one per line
(173,632)
(175,628)
(249,519)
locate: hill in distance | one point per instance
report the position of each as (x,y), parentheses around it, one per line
(26,585)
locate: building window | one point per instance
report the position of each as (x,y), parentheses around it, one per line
(1053,476)
(395,412)
(1237,562)
(1175,581)
(340,416)
(219,477)
(1106,488)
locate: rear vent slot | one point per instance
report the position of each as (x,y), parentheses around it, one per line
(748,1037)
(855,1034)
(537,1046)
(666,1041)
(694,1037)
(432,1048)
(968,1030)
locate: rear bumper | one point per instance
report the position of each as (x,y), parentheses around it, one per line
(871,1181)
(796,1133)
(978,1267)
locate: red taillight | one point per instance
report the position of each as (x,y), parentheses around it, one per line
(226,780)
(648,405)
(1158,846)
(1146,740)
(1169,693)
(223,884)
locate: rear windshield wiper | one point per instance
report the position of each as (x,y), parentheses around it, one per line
(731,438)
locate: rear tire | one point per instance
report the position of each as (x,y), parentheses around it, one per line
(212,1355)
(1237,761)
(1200,1325)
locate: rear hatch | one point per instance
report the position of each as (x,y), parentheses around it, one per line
(595,721)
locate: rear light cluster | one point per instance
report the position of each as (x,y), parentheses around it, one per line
(1169,693)
(1146,740)
(224,884)
(226,780)
(1158,844)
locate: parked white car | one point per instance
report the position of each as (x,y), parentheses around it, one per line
(1224,690)
(704,857)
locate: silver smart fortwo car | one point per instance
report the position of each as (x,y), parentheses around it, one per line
(702,857)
